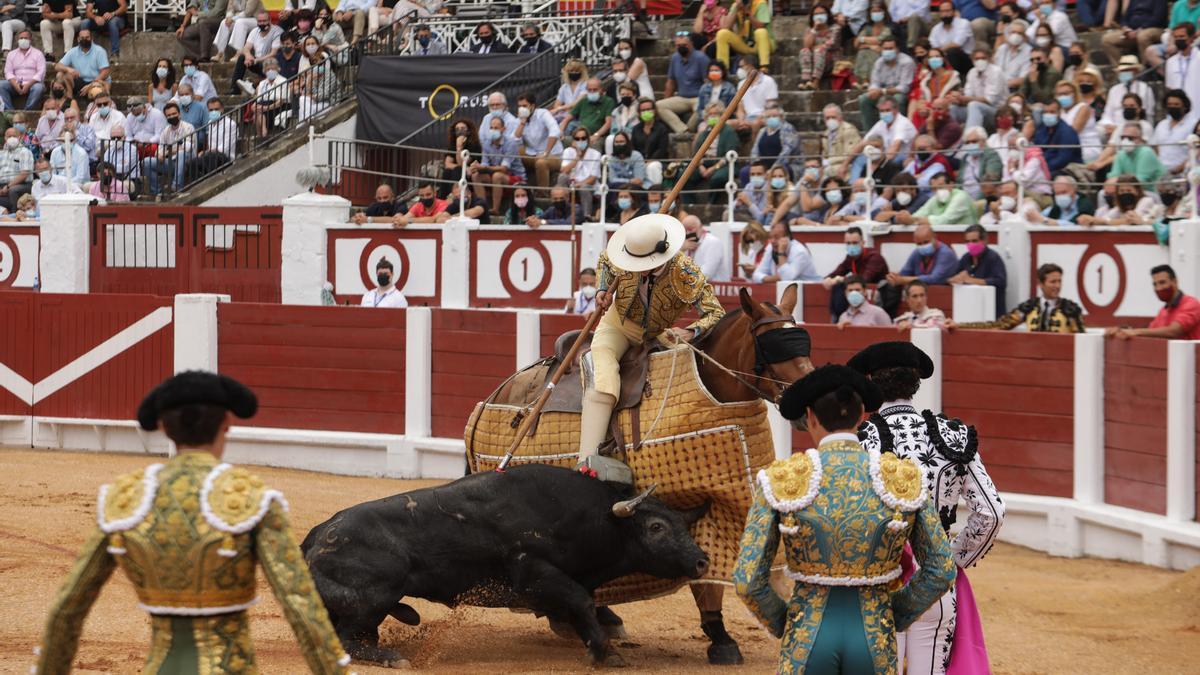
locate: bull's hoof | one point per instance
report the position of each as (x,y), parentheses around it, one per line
(725,654)
(370,653)
(611,623)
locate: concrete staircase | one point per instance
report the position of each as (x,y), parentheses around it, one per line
(140,51)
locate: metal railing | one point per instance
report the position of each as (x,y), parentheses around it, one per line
(586,36)
(210,148)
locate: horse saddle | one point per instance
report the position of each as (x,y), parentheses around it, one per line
(567,395)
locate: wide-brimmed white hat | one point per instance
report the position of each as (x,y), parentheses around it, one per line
(646,242)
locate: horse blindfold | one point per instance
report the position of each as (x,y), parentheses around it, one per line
(781,344)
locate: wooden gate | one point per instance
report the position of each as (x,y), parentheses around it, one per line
(164,250)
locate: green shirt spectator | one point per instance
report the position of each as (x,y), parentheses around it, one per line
(593,111)
(1141,162)
(1184,12)
(955,208)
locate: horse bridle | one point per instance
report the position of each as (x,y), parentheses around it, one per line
(761,364)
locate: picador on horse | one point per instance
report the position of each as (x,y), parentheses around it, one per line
(690,418)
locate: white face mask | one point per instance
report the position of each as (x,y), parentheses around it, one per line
(620,76)
(903,198)
(742,73)
(981,64)
(1015,39)
(523,112)
(23,44)
(11,142)
(1043,41)
(832,124)
(311,49)
(1007,203)
(588,292)
(272,74)
(943,195)
(625,53)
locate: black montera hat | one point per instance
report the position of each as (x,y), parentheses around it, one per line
(196,387)
(896,354)
(827,380)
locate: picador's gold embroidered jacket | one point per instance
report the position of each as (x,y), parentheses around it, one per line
(188,534)
(679,287)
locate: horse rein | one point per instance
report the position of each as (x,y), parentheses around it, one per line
(737,374)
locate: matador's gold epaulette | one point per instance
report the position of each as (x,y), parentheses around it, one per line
(791,484)
(124,504)
(234,501)
(686,278)
(898,483)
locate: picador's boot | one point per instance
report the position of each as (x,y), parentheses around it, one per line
(724,650)
(593,428)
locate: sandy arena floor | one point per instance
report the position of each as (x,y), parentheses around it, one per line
(1041,614)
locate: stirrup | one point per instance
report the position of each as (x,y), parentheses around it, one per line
(608,469)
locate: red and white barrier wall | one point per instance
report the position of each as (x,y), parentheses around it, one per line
(1092,441)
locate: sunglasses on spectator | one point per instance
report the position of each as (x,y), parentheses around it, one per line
(682,33)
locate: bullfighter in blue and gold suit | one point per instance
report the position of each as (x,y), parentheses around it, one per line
(187,533)
(843,515)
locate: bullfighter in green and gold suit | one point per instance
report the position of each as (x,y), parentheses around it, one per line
(655,284)
(188,533)
(843,515)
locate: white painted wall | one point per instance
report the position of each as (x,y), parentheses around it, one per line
(270,186)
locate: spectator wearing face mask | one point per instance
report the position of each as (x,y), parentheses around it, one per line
(474,206)
(1137,159)
(927,162)
(108,186)
(822,46)
(861,261)
(328,31)
(1127,70)
(424,210)
(270,99)
(805,197)
(862,205)
(199,26)
(82,135)
(16,170)
(1171,134)
(382,209)
(625,115)
(867,39)
(1038,84)
(979,167)
(786,259)
(427,44)
(626,166)
(499,164)
(584,301)
(144,122)
(931,261)
(948,205)
(572,90)
(763,93)
(540,139)
(121,156)
(532,41)
(628,207)
(1069,205)
(84,64)
(976,104)
(860,312)
(524,209)
(20,122)
(1057,139)
(919,314)
(716,88)
(78,171)
(751,201)
(262,44)
(635,68)
(891,77)
(895,130)
(981,266)
(105,118)
(1179,317)
(953,37)
(713,171)
(560,211)
(176,145)
(1012,57)
(291,60)
(45,182)
(162,83)
(49,126)
(487,41)
(580,169)
(1134,206)
(777,142)
(593,113)
(838,141)
(192,111)
(24,73)
(497,104)
(385,294)
(685,75)
(907,198)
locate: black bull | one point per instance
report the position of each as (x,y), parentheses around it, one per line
(536,537)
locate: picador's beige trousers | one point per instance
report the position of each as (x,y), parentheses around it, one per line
(613,338)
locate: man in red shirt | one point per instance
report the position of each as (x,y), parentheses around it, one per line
(425,210)
(1178,319)
(860,261)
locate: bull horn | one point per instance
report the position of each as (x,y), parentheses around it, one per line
(627,507)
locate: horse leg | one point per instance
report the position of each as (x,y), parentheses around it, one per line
(723,650)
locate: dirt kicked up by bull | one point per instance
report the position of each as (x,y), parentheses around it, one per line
(534,537)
